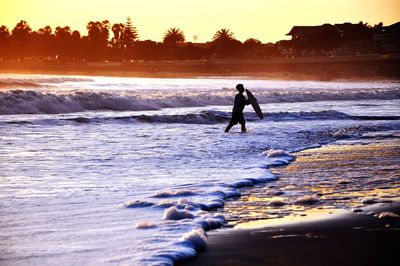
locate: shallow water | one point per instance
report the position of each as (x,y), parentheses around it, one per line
(133,171)
(347,174)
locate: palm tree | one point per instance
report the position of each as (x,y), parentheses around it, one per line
(223,35)
(174,36)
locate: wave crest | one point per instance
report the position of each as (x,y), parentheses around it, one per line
(41,102)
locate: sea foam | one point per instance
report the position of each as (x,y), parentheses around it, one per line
(174,193)
(196,238)
(274,153)
(137,204)
(172,213)
(145,225)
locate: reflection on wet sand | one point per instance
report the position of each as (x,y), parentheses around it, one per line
(322,181)
(295,217)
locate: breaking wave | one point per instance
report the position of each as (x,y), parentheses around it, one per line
(41,102)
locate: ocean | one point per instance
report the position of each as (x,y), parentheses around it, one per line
(135,171)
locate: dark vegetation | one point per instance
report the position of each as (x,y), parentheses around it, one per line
(120,43)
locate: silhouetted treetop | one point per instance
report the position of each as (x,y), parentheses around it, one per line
(62,32)
(4,33)
(98,32)
(223,35)
(130,33)
(252,41)
(117,40)
(47,30)
(174,36)
(124,35)
(21,31)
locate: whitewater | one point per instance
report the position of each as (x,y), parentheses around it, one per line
(135,171)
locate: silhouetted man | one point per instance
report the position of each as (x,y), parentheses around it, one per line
(237,112)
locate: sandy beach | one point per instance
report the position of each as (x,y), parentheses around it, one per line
(365,67)
(359,233)
(345,239)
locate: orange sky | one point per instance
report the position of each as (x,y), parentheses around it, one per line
(266,20)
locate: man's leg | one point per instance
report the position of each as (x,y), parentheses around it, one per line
(244,127)
(228,127)
(242,122)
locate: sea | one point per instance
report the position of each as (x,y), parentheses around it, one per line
(135,171)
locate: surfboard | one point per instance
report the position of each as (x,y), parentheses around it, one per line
(254,103)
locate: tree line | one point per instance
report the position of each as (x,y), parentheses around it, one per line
(120,42)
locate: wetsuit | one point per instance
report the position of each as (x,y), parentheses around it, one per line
(237,112)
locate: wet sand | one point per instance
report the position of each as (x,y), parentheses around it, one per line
(347,228)
(346,239)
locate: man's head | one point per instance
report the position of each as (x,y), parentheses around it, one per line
(240,88)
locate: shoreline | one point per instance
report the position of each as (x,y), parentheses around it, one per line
(280,133)
(358,233)
(325,69)
(170,75)
(344,239)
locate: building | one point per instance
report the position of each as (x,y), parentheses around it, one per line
(345,39)
(307,33)
(387,39)
(356,38)
(314,40)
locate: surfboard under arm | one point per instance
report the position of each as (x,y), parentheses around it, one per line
(254,103)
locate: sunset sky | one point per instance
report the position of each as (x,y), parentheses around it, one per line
(266,20)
